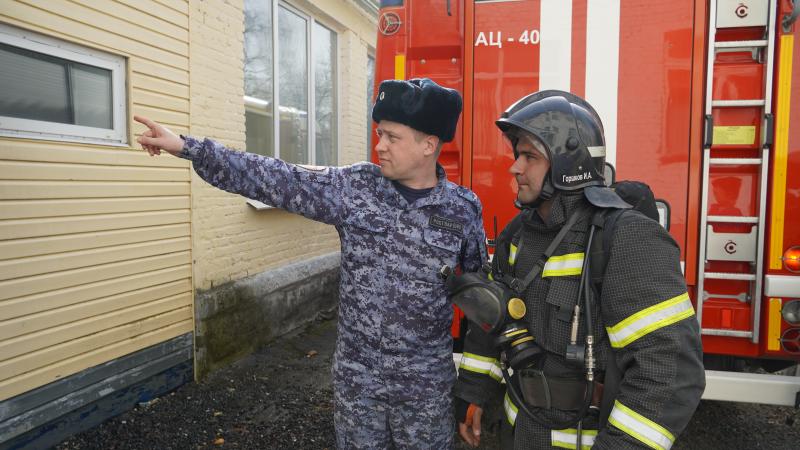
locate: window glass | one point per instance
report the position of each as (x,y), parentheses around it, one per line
(58,90)
(91,95)
(41,87)
(258,76)
(325,95)
(293,86)
(291,60)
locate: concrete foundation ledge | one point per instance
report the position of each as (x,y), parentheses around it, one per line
(236,318)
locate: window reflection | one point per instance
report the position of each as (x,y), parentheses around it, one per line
(293,86)
(258,76)
(283,64)
(325,95)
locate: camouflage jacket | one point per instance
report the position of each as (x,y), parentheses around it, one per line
(394,316)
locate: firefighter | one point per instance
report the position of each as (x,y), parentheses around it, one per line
(638,383)
(398,222)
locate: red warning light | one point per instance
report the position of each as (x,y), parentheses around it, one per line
(791,259)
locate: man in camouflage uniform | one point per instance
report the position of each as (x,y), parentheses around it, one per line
(399,223)
(646,337)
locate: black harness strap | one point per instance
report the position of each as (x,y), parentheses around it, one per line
(520,285)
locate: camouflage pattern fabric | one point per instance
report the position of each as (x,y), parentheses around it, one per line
(364,423)
(394,342)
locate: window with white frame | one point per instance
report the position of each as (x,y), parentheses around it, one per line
(290,84)
(56,90)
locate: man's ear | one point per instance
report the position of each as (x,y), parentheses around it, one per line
(431,142)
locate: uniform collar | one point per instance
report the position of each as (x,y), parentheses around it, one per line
(434,198)
(564,204)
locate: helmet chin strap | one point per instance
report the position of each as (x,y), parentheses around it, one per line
(546,193)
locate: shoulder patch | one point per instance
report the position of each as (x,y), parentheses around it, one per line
(312,168)
(469,196)
(364,166)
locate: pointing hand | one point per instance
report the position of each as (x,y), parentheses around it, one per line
(158,137)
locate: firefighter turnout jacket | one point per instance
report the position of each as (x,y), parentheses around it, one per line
(643,322)
(393,338)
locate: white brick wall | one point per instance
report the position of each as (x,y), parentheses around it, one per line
(231,240)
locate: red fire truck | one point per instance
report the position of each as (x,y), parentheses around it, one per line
(699,100)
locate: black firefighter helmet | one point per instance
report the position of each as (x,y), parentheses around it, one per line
(571,131)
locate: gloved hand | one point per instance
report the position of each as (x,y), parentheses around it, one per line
(469,421)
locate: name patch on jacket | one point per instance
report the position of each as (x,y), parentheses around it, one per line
(446,224)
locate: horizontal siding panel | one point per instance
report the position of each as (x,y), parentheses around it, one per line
(17,385)
(142,66)
(51,226)
(10,330)
(145,18)
(26,170)
(178,5)
(28,209)
(148,83)
(95,245)
(155,70)
(59,280)
(40,189)
(59,298)
(158,10)
(163,116)
(25,267)
(34,349)
(93,36)
(169,102)
(21,248)
(60,152)
(47,356)
(81,14)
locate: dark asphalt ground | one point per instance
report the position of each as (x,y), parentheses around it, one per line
(281,398)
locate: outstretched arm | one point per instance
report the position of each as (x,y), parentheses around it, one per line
(316,193)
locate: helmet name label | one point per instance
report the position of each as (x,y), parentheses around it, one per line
(580,177)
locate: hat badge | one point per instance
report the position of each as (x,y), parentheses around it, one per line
(383,94)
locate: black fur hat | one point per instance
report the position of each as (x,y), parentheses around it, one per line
(421,104)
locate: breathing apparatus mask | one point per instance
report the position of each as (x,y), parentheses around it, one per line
(497,309)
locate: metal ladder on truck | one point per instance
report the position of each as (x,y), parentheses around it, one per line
(736,247)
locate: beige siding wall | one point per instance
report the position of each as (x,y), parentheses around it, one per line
(231,239)
(97,242)
(95,247)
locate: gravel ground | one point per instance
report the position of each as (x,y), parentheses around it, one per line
(280,398)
